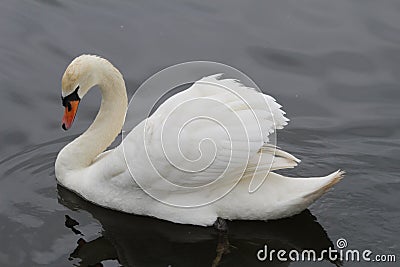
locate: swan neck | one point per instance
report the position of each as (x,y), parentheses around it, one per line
(107,125)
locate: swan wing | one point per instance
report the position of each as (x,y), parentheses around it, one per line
(204,138)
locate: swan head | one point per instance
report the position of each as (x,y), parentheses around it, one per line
(77,80)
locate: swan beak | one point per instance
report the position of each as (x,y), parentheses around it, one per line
(69,115)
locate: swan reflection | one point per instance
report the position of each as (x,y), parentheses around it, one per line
(131,240)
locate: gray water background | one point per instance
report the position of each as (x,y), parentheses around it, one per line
(333,65)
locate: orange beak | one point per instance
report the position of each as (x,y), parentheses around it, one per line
(69,115)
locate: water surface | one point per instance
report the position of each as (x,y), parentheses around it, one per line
(333,65)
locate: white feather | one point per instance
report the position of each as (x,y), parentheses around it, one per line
(212,159)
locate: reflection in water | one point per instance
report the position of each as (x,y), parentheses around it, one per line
(142,241)
(92,253)
(71,223)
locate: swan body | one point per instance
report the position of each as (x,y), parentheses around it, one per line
(127,178)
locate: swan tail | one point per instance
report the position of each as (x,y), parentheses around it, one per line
(308,188)
(296,194)
(270,158)
(278,197)
(329,182)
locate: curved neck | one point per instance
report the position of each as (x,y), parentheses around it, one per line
(108,123)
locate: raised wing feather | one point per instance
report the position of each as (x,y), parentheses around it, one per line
(203,137)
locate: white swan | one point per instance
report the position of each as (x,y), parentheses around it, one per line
(106,180)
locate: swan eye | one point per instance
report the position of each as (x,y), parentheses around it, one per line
(71,97)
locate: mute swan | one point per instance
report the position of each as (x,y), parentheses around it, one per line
(127,178)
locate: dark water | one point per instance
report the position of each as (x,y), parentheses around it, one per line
(333,65)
